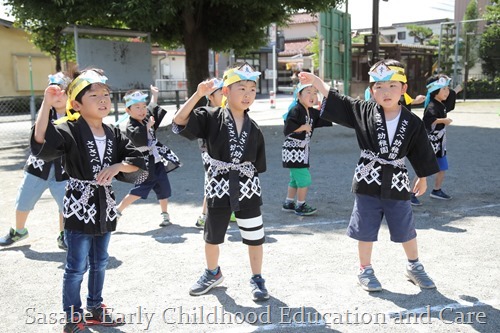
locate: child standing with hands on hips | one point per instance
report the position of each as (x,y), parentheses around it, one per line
(387,134)
(94,153)
(141,130)
(236,156)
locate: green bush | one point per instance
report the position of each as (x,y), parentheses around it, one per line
(483,89)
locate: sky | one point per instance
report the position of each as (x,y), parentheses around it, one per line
(398,11)
(391,11)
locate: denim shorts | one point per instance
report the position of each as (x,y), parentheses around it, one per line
(367,215)
(32,188)
(443,163)
(300,177)
(158,182)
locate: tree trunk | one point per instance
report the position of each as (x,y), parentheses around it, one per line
(196,45)
(58,61)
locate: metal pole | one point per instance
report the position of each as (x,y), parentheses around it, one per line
(275,74)
(455,69)
(375,31)
(32,97)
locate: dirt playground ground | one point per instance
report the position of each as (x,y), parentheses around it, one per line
(309,264)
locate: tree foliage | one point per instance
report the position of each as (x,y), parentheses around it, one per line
(470,35)
(198,25)
(419,32)
(489,48)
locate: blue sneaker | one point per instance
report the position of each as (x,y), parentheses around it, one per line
(206,282)
(259,291)
(288,206)
(414,200)
(12,237)
(439,194)
(416,274)
(368,281)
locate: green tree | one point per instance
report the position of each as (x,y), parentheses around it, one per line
(446,49)
(489,48)
(470,36)
(314,48)
(420,33)
(220,25)
(44,21)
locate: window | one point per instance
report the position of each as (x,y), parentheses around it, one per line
(401,35)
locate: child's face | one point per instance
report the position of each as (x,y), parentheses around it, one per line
(388,93)
(96,103)
(240,95)
(138,111)
(216,98)
(443,94)
(308,97)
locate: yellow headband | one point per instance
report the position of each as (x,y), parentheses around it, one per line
(244,73)
(387,73)
(75,87)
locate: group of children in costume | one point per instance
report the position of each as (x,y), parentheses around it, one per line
(233,153)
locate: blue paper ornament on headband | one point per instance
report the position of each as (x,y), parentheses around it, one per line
(135,97)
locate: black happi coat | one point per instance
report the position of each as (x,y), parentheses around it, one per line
(437,133)
(89,208)
(410,141)
(138,134)
(228,189)
(295,149)
(39,168)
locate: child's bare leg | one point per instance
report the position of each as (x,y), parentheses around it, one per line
(204,208)
(61,222)
(365,253)
(411,249)
(127,201)
(256,254)
(291,193)
(163,205)
(302,194)
(438,181)
(212,256)
(21,218)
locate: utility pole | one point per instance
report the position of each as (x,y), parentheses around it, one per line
(375,32)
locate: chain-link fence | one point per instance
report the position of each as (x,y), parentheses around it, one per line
(16,117)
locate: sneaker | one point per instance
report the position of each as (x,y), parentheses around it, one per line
(368,281)
(414,200)
(60,241)
(200,222)
(166,220)
(439,194)
(206,282)
(305,210)
(232,218)
(103,316)
(12,237)
(76,326)
(416,274)
(288,206)
(259,291)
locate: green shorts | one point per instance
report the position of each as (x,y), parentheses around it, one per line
(300,177)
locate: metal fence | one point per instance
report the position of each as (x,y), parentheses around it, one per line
(16,117)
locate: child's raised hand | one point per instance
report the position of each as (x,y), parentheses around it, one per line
(151,122)
(205,87)
(448,121)
(52,93)
(306,77)
(154,91)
